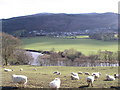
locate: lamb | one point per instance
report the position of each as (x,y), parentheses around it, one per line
(90,80)
(74,77)
(57,73)
(96,74)
(7,70)
(35,69)
(21,69)
(110,78)
(87,73)
(74,74)
(116,75)
(20,79)
(55,83)
(80,73)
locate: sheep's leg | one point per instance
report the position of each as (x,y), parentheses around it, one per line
(88,84)
(91,84)
(16,85)
(25,84)
(21,85)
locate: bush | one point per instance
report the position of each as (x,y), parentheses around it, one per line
(71,54)
(21,57)
(93,57)
(107,55)
(8,45)
(54,56)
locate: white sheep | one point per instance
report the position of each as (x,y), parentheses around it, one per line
(116,75)
(57,73)
(21,69)
(110,78)
(80,73)
(74,77)
(35,69)
(20,79)
(7,70)
(90,80)
(55,83)
(74,74)
(96,74)
(87,73)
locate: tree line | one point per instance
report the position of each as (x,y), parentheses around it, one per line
(103,36)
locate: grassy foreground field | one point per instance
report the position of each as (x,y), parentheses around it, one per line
(86,46)
(44,74)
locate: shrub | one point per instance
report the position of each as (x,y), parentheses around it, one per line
(21,57)
(71,54)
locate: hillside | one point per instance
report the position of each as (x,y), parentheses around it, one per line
(61,22)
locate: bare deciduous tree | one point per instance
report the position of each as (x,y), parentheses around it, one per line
(9,44)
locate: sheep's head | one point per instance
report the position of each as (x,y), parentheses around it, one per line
(13,75)
(114,74)
(57,79)
(93,75)
(99,73)
(55,72)
(106,74)
(72,72)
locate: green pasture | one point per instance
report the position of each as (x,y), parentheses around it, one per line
(86,46)
(44,75)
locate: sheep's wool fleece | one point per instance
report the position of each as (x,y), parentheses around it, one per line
(55,84)
(19,78)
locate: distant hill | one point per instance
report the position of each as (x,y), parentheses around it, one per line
(61,22)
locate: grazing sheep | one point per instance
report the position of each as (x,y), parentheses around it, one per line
(110,78)
(55,83)
(20,79)
(96,74)
(57,73)
(87,73)
(21,69)
(80,73)
(35,69)
(7,70)
(116,75)
(74,77)
(74,74)
(90,80)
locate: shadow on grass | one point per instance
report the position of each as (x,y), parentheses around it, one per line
(115,87)
(84,86)
(9,88)
(105,80)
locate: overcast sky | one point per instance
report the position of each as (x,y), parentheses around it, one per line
(14,8)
